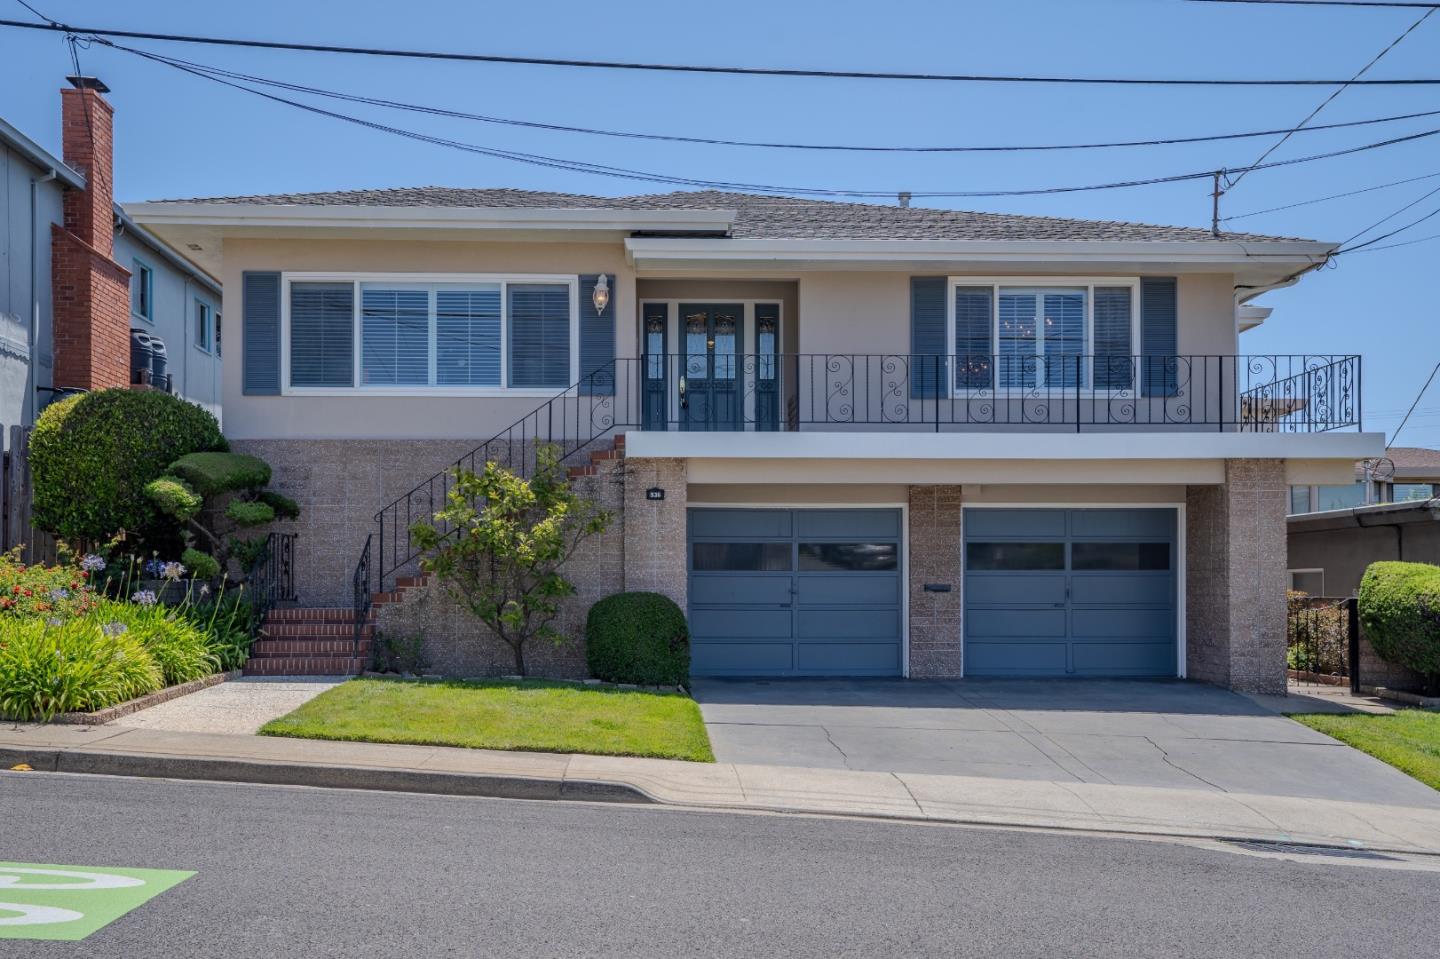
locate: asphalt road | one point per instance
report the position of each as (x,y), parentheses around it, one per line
(290,872)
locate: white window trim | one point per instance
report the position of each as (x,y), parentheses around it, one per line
(674,347)
(1087,283)
(570,280)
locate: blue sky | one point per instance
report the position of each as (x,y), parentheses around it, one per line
(179,135)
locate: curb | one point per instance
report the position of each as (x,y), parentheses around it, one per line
(110,713)
(319,775)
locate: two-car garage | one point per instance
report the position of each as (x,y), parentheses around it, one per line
(821,592)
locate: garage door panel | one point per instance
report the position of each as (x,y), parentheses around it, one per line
(852,589)
(1014,659)
(740,523)
(741,658)
(733,589)
(987,523)
(854,659)
(1124,659)
(740,623)
(1137,588)
(847,623)
(1152,523)
(1002,589)
(837,612)
(1116,623)
(1038,623)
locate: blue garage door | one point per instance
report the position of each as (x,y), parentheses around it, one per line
(1070,592)
(804,592)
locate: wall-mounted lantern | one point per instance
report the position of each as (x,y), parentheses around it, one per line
(601,295)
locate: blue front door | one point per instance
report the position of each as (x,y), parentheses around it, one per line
(711,382)
(1070,592)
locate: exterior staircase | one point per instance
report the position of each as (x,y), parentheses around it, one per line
(314,641)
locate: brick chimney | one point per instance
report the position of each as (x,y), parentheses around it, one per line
(91,290)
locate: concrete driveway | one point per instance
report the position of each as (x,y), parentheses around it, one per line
(1166,734)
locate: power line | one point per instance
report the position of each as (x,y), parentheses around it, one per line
(1390,216)
(1391,246)
(714,141)
(1326,3)
(625,173)
(56,26)
(1335,93)
(1385,236)
(1333,196)
(1396,435)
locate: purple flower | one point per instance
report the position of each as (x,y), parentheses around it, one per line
(172,571)
(144,597)
(113,629)
(59,593)
(92,563)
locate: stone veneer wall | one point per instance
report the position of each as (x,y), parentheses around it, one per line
(936,636)
(455,644)
(655,539)
(1235,578)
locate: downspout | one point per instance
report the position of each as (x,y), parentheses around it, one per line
(33,337)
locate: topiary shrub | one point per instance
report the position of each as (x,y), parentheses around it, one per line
(637,638)
(1400,613)
(92,455)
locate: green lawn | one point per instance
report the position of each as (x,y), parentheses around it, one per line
(501,714)
(1408,740)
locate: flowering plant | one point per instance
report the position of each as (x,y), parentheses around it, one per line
(30,589)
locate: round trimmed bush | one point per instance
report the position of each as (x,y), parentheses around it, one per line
(1400,613)
(637,638)
(92,455)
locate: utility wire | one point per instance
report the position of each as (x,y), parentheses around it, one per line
(1396,435)
(626,173)
(1391,246)
(1326,3)
(1333,196)
(1384,236)
(705,68)
(713,141)
(1335,93)
(1390,216)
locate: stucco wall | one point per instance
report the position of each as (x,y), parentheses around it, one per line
(360,416)
(17,297)
(1344,554)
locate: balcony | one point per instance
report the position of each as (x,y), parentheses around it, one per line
(727,392)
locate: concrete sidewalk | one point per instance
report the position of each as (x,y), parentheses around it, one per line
(958,799)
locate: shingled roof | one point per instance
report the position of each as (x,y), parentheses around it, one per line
(767,217)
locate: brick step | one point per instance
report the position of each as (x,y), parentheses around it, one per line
(316,630)
(271,648)
(305,666)
(312,614)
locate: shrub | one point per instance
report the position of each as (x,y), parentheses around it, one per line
(637,638)
(37,590)
(202,566)
(92,455)
(214,496)
(398,654)
(227,621)
(69,666)
(1400,613)
(172,640)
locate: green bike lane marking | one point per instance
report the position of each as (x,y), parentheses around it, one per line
(68,903)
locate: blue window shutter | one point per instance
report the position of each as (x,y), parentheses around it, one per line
(974,319)
(260,337)
(928,367)
(322,334)
(1159,335)
(1113,349)
(539,335)
(597,339)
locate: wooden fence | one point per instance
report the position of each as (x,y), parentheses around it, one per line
(36,546)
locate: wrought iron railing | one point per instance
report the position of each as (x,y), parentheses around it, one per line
(1063,391)
(361,584)
(727,392)
(1322,640)
(271,576)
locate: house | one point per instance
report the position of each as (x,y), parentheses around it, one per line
(81,275)
(848,439)
(1390,512)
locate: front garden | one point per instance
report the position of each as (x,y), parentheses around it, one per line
(151,511)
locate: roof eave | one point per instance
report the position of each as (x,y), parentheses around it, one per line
(39,156)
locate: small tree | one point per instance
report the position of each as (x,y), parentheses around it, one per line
(215,497)
(508,540)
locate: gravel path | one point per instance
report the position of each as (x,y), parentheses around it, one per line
(239,706)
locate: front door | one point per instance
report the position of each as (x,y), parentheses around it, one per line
(710,387)
(654,369)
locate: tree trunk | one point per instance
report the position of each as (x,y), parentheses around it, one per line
(519,648)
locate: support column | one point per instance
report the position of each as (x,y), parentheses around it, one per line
(655,529)
(936,637)
(1235,578)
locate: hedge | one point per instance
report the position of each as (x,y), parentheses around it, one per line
(1400,613)
(637,638)
(92,455)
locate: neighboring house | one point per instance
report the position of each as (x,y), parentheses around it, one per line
(1390,512)
(79,274)
(857,440)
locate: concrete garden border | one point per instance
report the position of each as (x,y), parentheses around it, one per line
(101,716)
